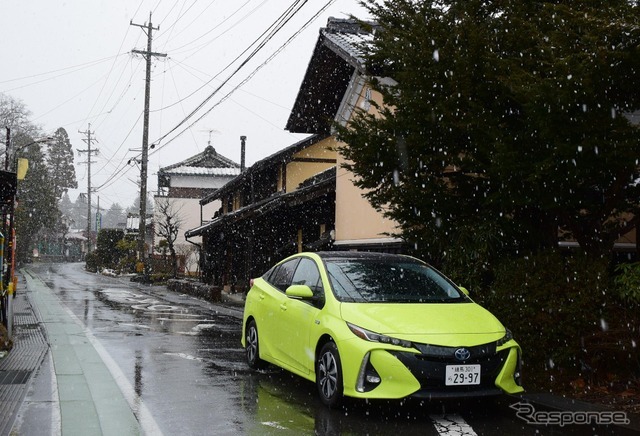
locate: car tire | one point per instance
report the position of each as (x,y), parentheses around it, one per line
(329,375)
(252,348)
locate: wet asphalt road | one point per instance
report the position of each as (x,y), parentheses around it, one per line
(184,359)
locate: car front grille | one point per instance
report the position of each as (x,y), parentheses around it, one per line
(429,367)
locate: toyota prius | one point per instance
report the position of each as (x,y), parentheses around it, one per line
(379,326)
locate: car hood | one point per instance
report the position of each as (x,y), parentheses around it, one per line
(447,324)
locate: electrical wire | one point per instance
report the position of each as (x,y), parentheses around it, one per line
(227,67)
(120,167)
(107,78)
(271,31)
(187,68)
(232,26)
(85,64)
(251,75)
(175,85)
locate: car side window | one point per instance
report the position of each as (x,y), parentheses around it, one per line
(281,277)
(307,274)
(270,274)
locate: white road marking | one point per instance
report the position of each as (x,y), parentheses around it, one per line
(452,425)
(187,356)
(140,410)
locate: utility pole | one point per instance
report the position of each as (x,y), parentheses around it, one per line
(148,29)
(89,151)
(7,150)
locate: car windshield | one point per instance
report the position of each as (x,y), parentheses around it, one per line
(381,280)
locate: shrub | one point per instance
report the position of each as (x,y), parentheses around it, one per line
(6,344)
(627,281)
(107,248)
(553,304)
(91,262)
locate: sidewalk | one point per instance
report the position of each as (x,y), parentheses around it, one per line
(70,383)
(20,365)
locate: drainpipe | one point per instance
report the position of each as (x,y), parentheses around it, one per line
(242,149)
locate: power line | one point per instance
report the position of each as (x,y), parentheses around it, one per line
(249,77)
(271,31)
(84,65)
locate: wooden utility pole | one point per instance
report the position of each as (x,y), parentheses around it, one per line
(148,29)
(89,150)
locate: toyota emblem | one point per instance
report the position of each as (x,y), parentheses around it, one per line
(462,354)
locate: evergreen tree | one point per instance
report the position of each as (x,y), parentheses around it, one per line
(135,207)
(60,161)
(114,216)
(505,122)
(37,209)
(78,212)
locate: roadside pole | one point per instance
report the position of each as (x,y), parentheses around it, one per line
(7,306)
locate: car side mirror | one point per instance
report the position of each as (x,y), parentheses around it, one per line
(303,292)
(464,290)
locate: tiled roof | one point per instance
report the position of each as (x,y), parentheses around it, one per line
(185,170)
(337,54)
(321,184)
(278,157)
(208,159)
(346,37)
(208,163)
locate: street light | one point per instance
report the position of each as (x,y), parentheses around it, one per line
(10,157)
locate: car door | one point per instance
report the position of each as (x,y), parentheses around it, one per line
(298,318)
(271,299)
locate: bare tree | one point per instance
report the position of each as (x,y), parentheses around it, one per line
(167,226)
(190,255)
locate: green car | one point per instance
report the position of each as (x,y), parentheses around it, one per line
(373,325)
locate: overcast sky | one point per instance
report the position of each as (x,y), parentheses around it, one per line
(70,63)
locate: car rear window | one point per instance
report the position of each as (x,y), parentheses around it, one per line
(384,280)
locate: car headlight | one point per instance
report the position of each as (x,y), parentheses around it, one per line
(375,337)
(506,338)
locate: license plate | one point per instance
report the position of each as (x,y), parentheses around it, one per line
(461,375)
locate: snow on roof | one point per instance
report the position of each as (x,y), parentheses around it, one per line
(209,158)
(347,41)
(339,51)
(207,164)
(185,170)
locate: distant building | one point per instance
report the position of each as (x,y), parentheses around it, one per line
(183,184)
(281,205)
(132,229)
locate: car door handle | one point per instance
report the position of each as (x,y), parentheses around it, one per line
(283,306)
(262,296)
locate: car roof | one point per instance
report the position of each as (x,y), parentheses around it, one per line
(361,255)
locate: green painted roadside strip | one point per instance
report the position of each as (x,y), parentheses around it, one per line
(91,400)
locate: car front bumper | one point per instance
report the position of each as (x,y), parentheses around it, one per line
(397,373)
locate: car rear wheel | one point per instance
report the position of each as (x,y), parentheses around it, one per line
(329,375)
(252,346)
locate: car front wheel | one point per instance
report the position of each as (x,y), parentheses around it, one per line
(329,375)
(252,346)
